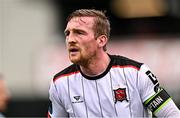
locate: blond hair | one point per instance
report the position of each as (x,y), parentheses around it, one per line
(101,24)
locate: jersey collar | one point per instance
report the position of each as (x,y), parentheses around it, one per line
(100,75)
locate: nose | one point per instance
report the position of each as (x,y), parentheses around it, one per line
(70,38)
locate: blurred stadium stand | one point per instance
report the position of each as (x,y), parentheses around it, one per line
(145,17)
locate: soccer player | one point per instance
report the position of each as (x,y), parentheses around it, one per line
(98,84)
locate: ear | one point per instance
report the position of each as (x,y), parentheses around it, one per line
(102,40)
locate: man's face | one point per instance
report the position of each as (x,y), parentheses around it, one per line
(80,39)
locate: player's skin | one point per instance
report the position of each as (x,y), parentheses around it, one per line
(84,48)
(4,95)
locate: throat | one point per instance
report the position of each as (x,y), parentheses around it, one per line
(95,69)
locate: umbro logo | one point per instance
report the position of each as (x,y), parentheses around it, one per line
(77,99)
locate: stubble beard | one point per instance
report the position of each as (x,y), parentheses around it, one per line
(81,59)
(74,60)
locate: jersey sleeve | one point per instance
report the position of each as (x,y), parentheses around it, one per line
(56,108)
(147,83)
(168,110)
(154,97)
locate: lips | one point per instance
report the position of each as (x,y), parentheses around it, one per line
(73,49)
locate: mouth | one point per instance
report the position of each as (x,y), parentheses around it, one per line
(73,50)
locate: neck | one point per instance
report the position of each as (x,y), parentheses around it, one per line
(96,66)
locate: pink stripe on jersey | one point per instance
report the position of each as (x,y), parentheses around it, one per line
(126,66)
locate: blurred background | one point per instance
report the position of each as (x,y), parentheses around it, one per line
(32,44)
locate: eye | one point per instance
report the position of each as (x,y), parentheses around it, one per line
(79,32)
(66,33)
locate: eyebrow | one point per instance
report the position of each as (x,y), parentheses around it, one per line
(74,30)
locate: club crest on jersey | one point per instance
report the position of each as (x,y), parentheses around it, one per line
(120,94)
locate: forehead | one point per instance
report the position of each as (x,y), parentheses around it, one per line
(81,22)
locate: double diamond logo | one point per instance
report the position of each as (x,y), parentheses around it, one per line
(77,99)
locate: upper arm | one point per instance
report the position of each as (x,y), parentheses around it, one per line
(56,108)
(153,96)
(147,83)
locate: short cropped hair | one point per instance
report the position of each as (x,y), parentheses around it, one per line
(101,24)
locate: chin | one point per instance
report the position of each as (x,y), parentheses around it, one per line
(75,60)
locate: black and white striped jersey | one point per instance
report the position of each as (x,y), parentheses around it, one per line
(125,89)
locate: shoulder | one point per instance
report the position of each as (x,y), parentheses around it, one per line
(72,69)
(121,61)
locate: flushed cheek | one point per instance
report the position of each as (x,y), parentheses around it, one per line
(85,50)
(90,47)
